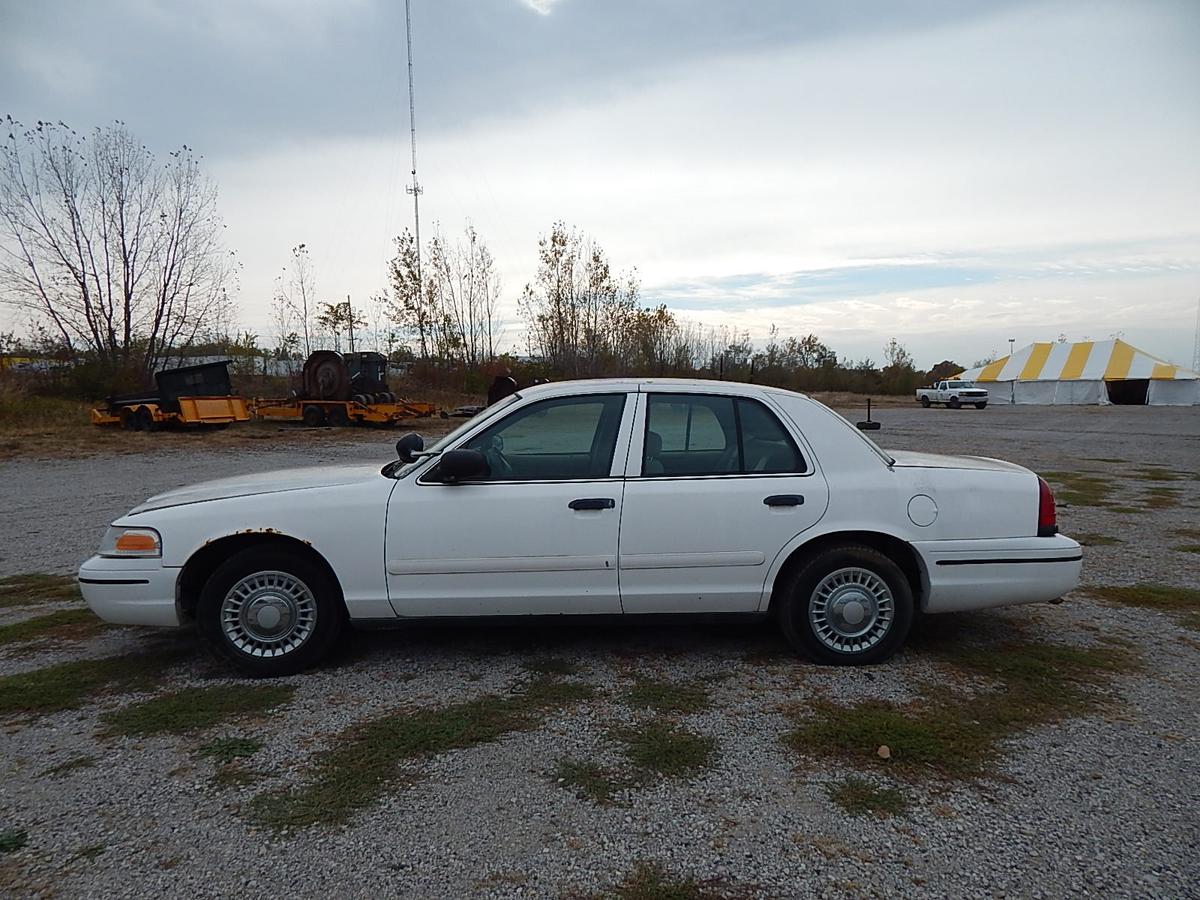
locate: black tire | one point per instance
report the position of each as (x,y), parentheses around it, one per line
(314,416)
(338,417)
(130,420)
(327,612)
(925,402)
(361,399)
(954,403)
(982,405)
(145,419)
(796,607)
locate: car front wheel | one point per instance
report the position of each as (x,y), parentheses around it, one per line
(269,612)
(847,606)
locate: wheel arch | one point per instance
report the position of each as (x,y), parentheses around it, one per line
(900,551)
(204,561)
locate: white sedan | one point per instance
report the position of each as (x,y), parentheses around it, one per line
(595,498)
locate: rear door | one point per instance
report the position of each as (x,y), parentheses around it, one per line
(716,486)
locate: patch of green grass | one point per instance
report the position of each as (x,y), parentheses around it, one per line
(1093,539)
(667,750)
(1186,548)
(550,665)
(193,709)
(366,758)
(234,775)
(36,587)
(955,736)
(69,685)
(90,853)
(68,624)
(1155,473)
(860,797)
(225,750)
(667,696)
(13,839)
(589,780)
(649,881)
(1183,603)
(71,765)
(1080,488)
(1161,498)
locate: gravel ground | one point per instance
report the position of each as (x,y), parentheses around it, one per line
(1098,805)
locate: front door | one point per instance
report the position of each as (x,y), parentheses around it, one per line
(536,536)
(720,487)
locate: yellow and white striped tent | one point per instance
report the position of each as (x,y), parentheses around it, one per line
(1087,372)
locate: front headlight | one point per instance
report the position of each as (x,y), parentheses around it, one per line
(121,542)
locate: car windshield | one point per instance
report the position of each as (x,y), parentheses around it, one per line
(397,469)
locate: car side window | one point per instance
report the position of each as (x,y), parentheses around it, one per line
(767,448)
(558,439)
(692,434)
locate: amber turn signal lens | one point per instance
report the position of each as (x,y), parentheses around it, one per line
(136,542)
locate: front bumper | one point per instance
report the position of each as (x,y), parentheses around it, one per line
(979,574)
(130,591)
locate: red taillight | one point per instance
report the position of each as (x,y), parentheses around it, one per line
(1047,517)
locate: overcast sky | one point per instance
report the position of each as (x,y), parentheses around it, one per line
(951,173)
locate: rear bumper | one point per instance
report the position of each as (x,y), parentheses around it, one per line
(130,591)
(979,574)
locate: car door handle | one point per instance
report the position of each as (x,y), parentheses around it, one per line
(593,503)
(784,500)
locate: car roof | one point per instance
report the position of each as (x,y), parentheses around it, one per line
(645,385)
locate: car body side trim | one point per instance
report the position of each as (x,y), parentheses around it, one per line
(1027,559)
(114,580)
(499,565)
(692,560)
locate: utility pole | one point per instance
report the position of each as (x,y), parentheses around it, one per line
(415,187)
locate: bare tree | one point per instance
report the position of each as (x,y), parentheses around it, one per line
(299,293)
(117,253)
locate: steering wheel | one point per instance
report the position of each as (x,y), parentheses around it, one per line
(493,452)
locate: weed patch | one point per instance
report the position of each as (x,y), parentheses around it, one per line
(1183,603)
(1155,473)
(1186,548)
(92,853)
(226,750)
(62,624)
(550,665)
(667,750)
(860,797)
(589,780)
(234,775)
(649,881)
(1161,498)
(34,587)
(667,696)
(1035,683)
(13,839)
(69,685)
(1080,488)
(1091,539)
(194,709)
(1186,532)
(366,758)
(71,765)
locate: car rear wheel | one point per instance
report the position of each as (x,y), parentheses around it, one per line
(270,612)
(982,405)
(954,403)
(848,606)
(925,402)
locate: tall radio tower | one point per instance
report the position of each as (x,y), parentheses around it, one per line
(1196,342)
(415,187)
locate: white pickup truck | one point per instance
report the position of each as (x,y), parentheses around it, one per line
(953,394)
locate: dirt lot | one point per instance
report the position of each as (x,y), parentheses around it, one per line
(1039,751)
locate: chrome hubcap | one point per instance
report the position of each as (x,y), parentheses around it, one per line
(851,610)
(268,614)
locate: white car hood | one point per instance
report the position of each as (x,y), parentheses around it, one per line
(917,460)
(264,483)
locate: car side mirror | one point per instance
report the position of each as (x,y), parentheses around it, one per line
(409,446)
(463,465)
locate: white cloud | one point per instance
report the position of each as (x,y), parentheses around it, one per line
(541,7)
